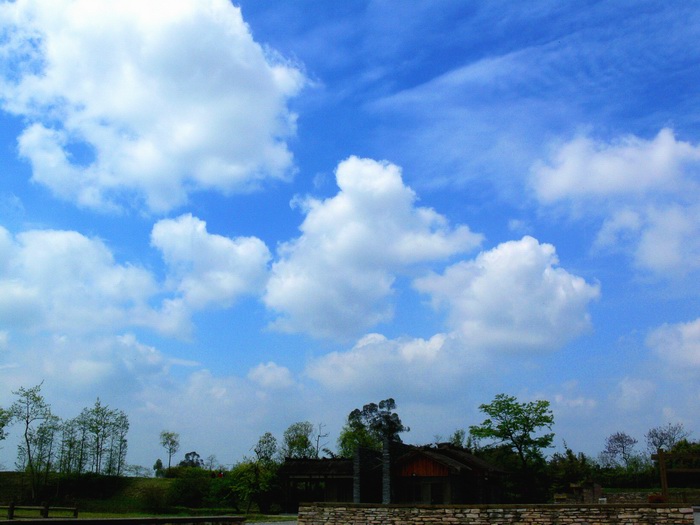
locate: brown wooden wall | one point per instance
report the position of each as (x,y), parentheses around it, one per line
(423,467)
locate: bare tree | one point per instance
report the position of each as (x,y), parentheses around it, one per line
(319,436)
(619,448)
(665,437)
(211,462)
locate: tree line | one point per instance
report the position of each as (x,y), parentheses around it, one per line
(94,441)
(514,436)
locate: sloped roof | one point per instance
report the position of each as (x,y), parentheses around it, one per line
(324,467)
(455,459)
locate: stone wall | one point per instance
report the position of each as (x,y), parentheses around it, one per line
(676,496)
(610,514)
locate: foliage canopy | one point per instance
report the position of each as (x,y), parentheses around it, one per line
(369,427)
(516,425)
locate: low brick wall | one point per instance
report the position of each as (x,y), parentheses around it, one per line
(610,514)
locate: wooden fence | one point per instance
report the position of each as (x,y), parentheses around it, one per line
(42,511)
(179,520)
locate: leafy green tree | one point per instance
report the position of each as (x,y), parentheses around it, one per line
(686,447)
(30,409)
(688,458)
(369,427)
(568,467)
(170,441)
(254,482)
(266,448)
(96,421)
(117,446)
(44,447)
(100,432)
(73,452)
(517,426)
(458,438)
(298,441)
(191,460)
(5,418)
(222,492)
(158,469)
(354,435)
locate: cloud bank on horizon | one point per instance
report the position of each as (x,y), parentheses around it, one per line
(235,217)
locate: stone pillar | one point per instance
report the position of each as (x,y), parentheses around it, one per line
(696,515)
(356,476)
(386,471)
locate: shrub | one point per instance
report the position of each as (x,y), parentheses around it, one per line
(189,489)
(154,497)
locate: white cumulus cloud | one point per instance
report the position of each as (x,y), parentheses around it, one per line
(511,298)
(62,280)
(209,269)
(376,364)
(336,277)
(271,375)
(150,100)
(580,403)
(514,296)
(586,168)
(646,191)
(678,344)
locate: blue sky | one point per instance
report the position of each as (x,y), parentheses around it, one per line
(225,218)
